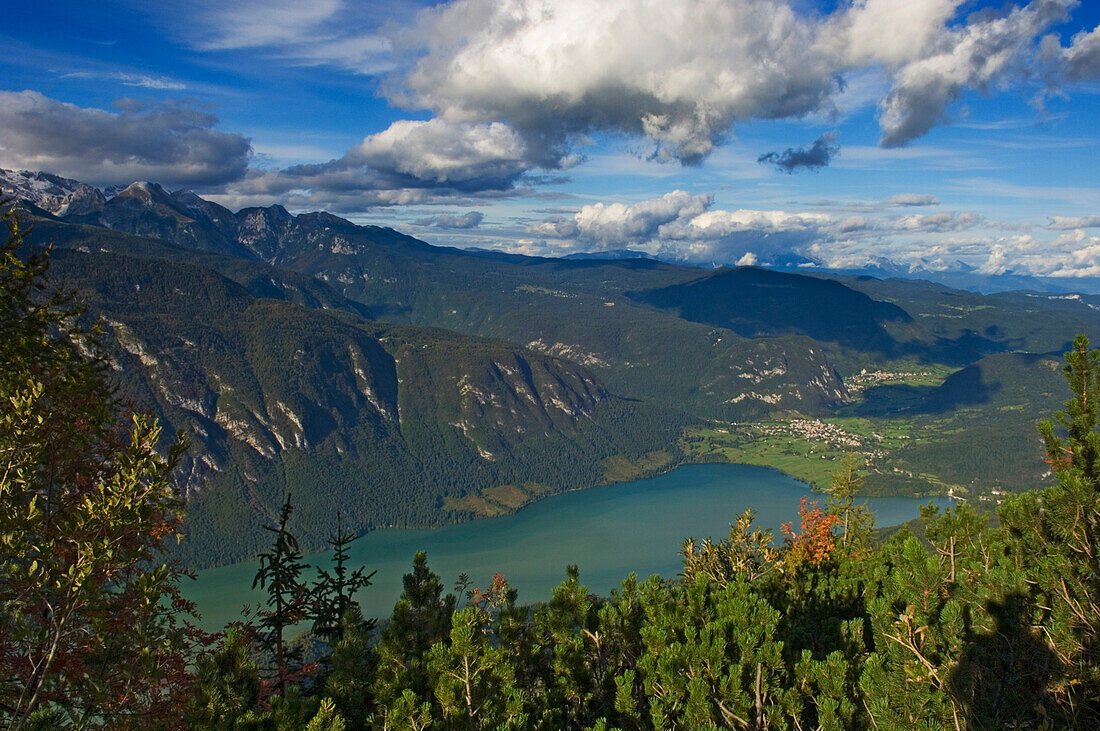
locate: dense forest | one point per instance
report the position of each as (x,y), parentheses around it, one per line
(970,621)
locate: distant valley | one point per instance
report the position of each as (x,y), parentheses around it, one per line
(410,385)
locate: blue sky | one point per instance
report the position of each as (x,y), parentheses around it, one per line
(926,132)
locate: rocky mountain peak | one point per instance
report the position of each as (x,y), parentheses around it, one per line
(53,193)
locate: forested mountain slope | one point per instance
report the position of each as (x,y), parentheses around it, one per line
(390,424)
(585,358)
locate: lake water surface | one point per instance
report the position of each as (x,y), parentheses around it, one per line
(607,531)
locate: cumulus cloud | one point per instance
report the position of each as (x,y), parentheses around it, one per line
(912,199)
(814,157)
(477,155)
(172,143)
(679,73)
(682,72)
(1080,61)
(717,224)
(1070,255)
(686,227)
(988,49)
(616,224)
(1065,223)
(689,228)
(852,224)
(997,263)
(410,162)
(471,219)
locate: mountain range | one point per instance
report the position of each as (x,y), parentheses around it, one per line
(409,384)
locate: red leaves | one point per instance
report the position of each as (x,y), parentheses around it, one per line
(816,541)
(495,596)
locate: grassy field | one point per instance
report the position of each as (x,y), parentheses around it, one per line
(499,500)
(507,499)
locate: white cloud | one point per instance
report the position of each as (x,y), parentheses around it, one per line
(145,81)
(682,72)
(442,152)
(997,263)
(685,227)
(678,73)
(613,225)
(887,31)
(720,223)
(1080,61)
(984,52)
(251,23)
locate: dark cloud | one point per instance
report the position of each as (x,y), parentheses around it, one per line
(472,219)
(173,143)
(814,157)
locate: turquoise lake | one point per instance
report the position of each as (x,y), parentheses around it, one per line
(607,531)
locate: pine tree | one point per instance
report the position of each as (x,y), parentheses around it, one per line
(351,668)
(472,680)
(421,618)
(744,554)
(1081,446)
(227,691)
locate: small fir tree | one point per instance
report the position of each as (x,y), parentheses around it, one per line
(334,591)
(288,599)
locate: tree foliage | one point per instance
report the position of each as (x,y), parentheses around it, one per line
(92,629)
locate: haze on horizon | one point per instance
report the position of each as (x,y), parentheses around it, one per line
(922,132)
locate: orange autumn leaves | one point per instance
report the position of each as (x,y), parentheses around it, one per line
(816,541)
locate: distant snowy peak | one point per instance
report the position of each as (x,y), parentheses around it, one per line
(60,196)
